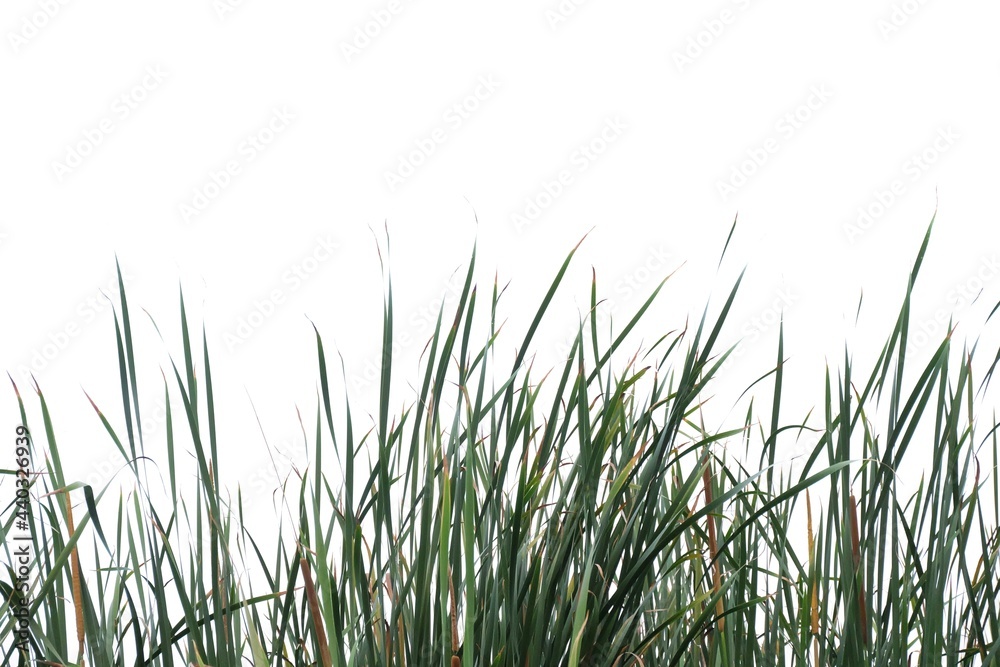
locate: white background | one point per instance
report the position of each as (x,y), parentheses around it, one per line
(120,117)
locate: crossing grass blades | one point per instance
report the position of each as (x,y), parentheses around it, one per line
(585,516)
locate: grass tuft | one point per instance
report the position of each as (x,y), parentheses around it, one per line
(584,516)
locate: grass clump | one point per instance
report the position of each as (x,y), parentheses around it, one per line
(588,517)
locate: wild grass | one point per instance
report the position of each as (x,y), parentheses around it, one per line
(588,516)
